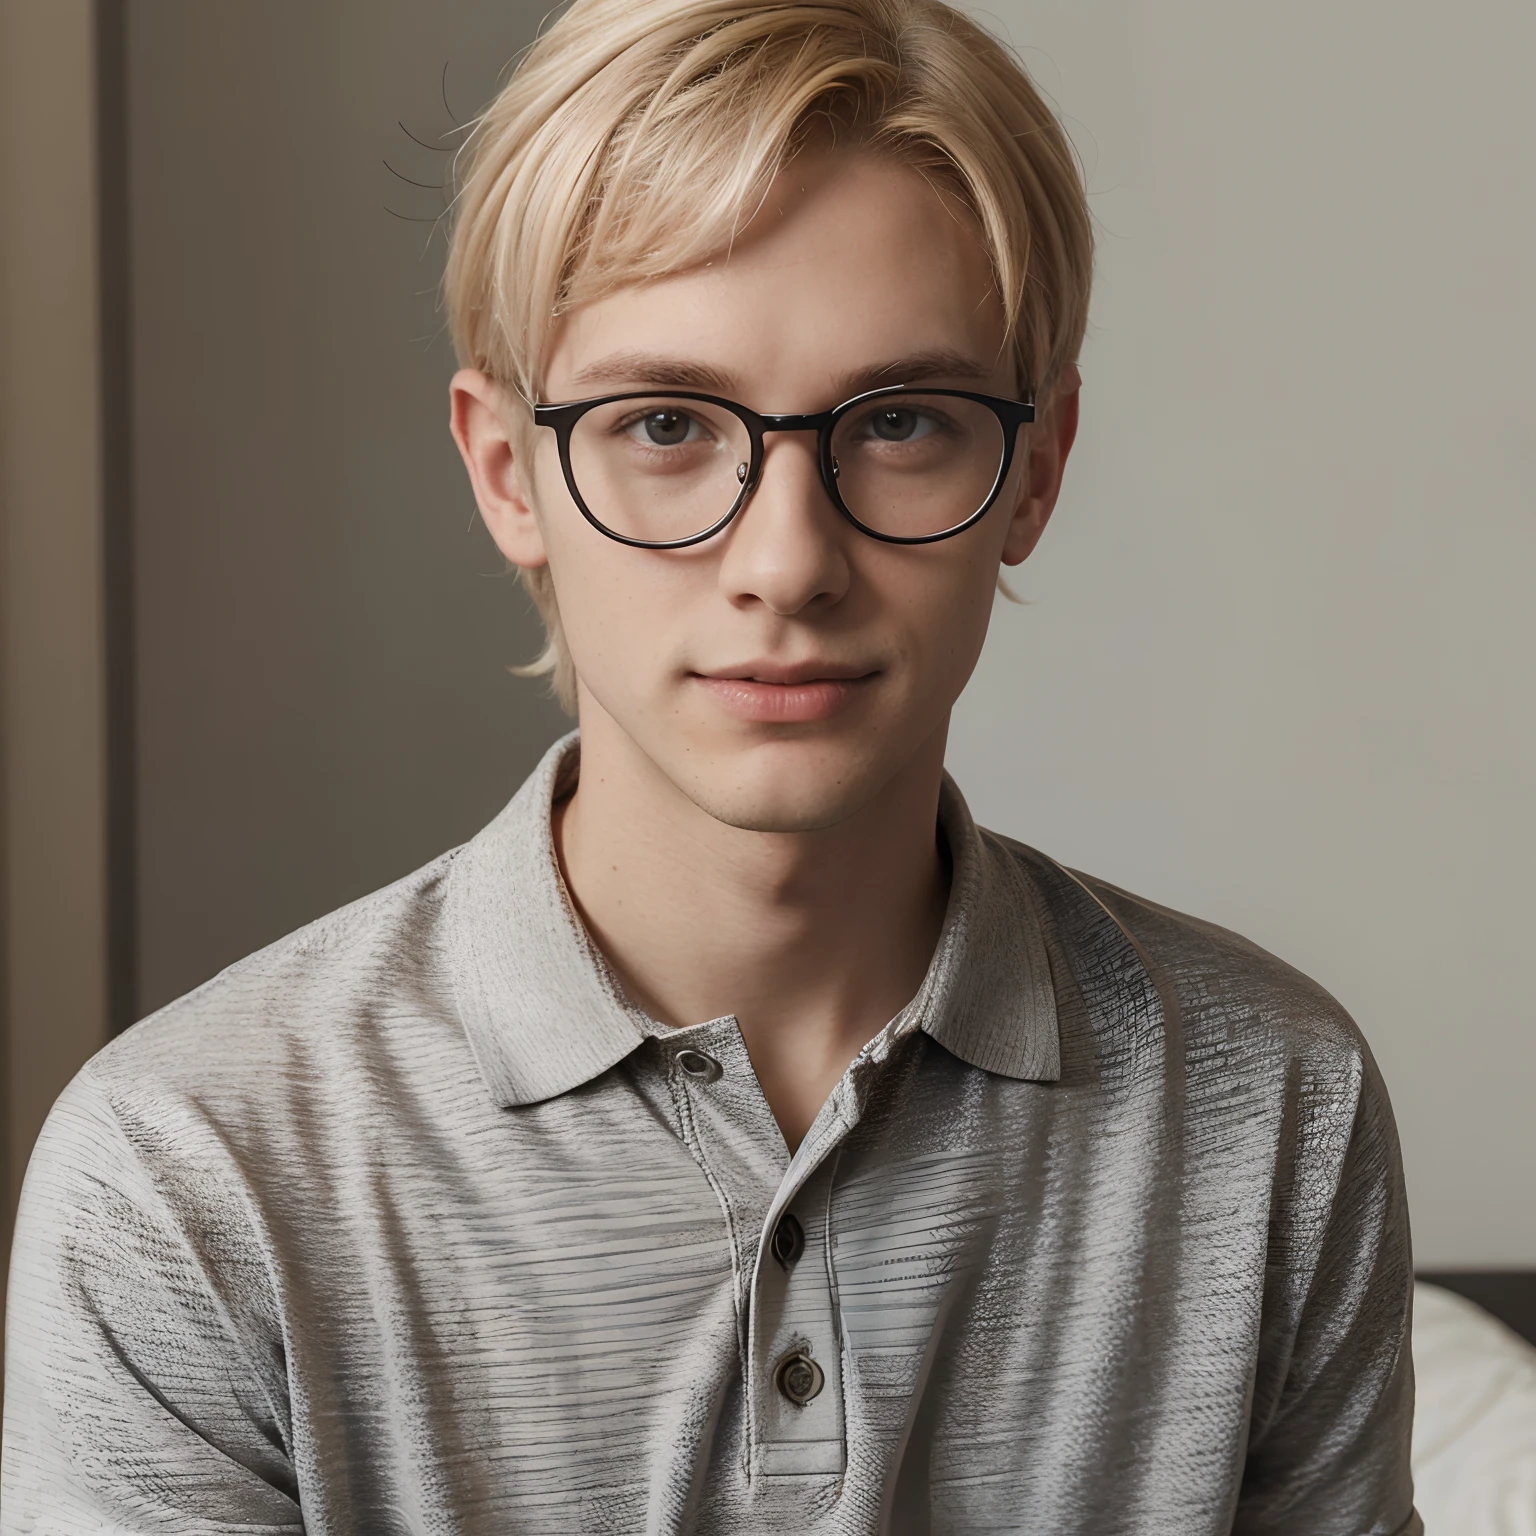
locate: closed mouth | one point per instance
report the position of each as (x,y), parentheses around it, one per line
(785,695)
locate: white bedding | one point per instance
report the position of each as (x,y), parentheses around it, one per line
(1474,1431)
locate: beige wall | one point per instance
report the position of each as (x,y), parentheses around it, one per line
(52,750)
(1279,666)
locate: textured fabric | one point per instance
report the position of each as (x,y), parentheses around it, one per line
(411,1223)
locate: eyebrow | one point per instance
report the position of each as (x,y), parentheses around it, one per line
(917,368)
(649,369)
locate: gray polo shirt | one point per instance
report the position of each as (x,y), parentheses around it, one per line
(412,1223)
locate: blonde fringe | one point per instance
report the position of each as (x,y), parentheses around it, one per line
(637,137)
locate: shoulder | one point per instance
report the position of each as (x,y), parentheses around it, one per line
(1253,1068)
(1221,992)
(321,1022)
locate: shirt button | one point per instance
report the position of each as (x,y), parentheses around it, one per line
(697,1064)
(799,1378)
(788,1240)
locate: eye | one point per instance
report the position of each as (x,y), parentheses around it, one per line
(664,428)
(897,424)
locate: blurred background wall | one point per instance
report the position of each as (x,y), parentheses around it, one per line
(1275,667)
(322,626)
(54,970)
(1279,666)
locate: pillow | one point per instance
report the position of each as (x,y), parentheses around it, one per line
(1474,1430)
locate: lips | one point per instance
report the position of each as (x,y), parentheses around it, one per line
(774,693)
(789,675)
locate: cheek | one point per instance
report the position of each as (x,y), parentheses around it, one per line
(942,597)
(601,604)
(589,579)
(967,618)
(624,611)
(588,569)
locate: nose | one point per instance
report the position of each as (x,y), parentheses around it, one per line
(785,548)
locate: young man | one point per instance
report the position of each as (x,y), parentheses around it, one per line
(732,1137)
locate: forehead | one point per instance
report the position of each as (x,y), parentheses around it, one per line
(850,261)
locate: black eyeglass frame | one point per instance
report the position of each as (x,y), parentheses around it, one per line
(562,419)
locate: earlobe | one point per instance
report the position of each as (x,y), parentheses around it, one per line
(480,421)
(1050,444)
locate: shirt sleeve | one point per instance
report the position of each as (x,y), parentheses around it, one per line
(1333,1401)
(135,1397)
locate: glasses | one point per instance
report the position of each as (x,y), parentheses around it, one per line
(666,470)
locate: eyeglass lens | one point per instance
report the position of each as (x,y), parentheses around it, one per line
(907,465)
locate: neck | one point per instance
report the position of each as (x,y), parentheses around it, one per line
(813,940)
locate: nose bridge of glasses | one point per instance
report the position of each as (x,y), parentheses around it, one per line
(804,421)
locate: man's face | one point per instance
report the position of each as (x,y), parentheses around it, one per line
(784,671)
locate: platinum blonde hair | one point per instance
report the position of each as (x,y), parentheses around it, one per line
(636,138)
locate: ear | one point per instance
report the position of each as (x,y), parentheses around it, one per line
(480,420)
(1049,444)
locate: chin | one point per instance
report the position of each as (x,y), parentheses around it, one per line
(783,786)
(769,813)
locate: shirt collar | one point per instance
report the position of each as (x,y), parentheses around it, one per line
(988,996)
(545,1013)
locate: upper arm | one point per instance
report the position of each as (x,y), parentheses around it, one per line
(134,1400)
(1329,1451)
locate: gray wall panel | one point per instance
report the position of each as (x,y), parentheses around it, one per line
(322,626)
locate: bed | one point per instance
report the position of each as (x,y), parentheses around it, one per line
(1474,1433)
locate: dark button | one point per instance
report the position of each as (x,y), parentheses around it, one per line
(799,1378)
(788,1240)
(697,1064)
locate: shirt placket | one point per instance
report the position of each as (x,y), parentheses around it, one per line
(778,1210)
(795,1383)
